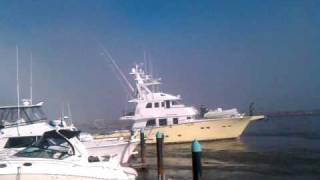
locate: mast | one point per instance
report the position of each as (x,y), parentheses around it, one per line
(69,113)
(143,82)
(31,79)
(62,115)
(18,88)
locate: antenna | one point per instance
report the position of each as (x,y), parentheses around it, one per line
(18,87)
(69,113)
(117,68)
(145,61)
(31,81)
(62,115)
(151,73)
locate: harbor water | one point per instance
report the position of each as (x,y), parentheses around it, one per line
(273,148)
(276,148)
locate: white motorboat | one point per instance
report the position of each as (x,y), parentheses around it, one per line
(60,155)
(17,133)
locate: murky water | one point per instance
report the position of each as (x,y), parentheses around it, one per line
(276,148)
(287,148)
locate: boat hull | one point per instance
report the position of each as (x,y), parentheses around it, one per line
(28,169)
(44,177)
(118,150)
(202,130)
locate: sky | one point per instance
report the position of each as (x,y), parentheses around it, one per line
(217,53)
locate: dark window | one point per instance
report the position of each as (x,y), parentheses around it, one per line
(151,122)
(162,104)
(149,105)
(19,142)
(175,103)
(162,122)
(156,105)
(188,117)
(175,121)
(167,104)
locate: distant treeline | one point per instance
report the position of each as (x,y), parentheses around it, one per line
(315,112)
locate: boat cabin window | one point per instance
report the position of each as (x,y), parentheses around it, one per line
(162,104)
(176,103)
(156,105)
(151,122)
(19,142)
(167,104)
(175,121)
(9,115)
(163,122)
(149,105)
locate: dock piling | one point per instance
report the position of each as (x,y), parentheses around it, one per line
(159,138)
(196,160)
(142,146)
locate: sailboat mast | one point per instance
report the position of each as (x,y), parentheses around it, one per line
(18,87)
(31,78)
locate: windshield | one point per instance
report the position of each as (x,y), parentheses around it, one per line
(9,116)
(49,148)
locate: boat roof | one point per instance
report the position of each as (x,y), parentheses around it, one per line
(22,106)
(159,96)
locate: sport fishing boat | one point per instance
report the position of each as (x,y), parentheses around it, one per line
(60,155)
(158,111)
(22,125)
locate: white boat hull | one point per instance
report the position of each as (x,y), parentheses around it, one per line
(119,150)
(44,177)
(54,169)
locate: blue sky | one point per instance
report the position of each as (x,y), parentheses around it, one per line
(218,53)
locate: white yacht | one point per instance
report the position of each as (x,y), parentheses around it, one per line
(158,111)
(22,125)
(60,155)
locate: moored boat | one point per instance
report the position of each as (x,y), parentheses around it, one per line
(60,155)
(158,111)
(24,124)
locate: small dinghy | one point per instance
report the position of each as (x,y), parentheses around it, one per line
(60,155)
(220,113)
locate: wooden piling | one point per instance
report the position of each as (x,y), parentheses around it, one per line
(160,138)
(142,146)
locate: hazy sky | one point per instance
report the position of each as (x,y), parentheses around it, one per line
(218,53)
